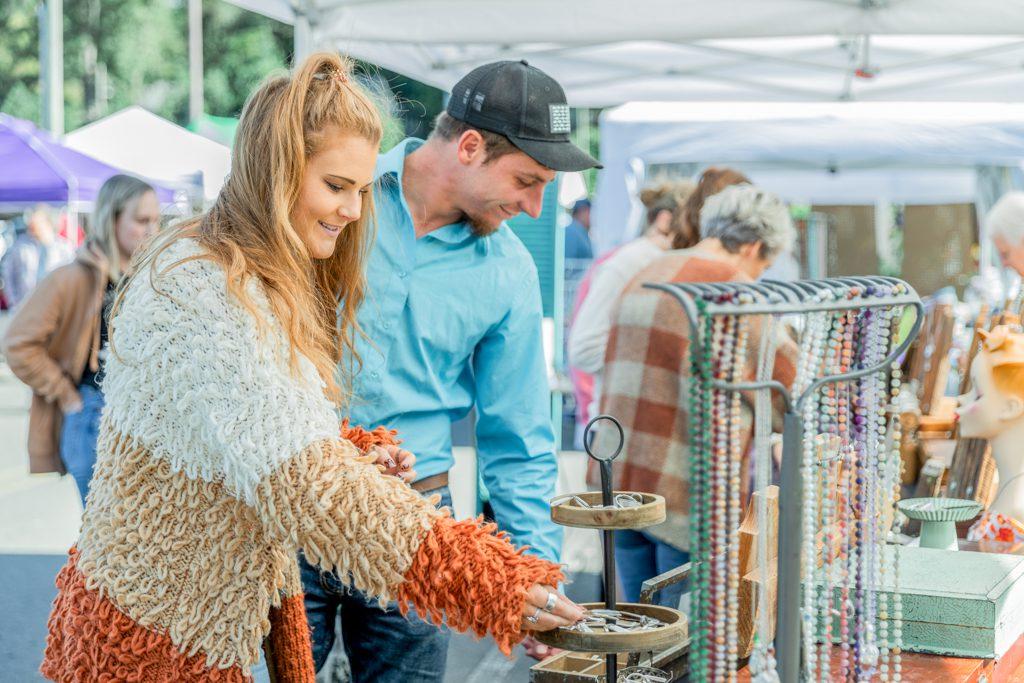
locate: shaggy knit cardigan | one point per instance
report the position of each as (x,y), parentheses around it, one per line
(215,464)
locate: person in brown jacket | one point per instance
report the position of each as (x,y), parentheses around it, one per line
(57,341)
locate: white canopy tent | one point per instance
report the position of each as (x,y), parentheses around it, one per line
(825,153)
(143,143)
(606,52)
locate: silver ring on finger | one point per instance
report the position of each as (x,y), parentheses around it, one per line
(552,601)
(536,616)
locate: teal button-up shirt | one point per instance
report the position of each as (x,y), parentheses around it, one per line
(454,320)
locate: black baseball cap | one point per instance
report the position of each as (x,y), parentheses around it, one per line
(525,105)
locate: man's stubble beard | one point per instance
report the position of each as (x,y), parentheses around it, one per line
(479,228)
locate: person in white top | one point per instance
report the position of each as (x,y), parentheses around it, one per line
(673,208)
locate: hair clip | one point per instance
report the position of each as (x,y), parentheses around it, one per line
(336,75)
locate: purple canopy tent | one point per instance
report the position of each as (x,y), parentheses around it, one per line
(36,168)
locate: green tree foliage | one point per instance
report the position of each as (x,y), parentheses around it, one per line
(123,52)
(19,59)
(240,49)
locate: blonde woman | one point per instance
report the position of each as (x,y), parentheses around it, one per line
(57,341)
(220,455)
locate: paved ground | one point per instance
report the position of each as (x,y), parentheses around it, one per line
(39,517)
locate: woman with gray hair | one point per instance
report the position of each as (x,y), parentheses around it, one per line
(57,341)
(743,229)
(1005,224)
(751,225)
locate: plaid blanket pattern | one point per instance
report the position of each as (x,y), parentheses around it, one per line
(646,380)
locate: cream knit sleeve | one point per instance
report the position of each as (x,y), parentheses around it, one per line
(199,384)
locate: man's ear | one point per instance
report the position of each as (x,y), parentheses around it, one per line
(1012,408)
(471,146)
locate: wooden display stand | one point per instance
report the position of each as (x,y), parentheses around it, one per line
(927,363)
(602,510)
(753,585)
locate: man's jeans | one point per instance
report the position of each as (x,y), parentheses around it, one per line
(382,645)
(639,557)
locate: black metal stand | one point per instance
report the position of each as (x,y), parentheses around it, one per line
(607,535)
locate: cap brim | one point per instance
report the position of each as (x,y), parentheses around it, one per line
(558,156)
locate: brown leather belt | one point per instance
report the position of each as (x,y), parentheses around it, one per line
(430,483)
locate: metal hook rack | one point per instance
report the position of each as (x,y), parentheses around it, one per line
(772,297)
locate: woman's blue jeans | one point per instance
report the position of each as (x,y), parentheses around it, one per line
(78,438)
(639,557)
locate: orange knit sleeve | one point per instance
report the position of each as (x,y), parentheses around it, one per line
(465,573)
(469,574)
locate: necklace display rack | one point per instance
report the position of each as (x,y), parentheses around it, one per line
(614,628)
(838,434)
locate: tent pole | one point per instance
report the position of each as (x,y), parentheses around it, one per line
(51,62)
(303,34)
(195,61)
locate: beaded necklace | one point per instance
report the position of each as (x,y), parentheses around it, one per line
(850,470)
(721,452)
(895,641)
(700,383)
(733,492)
(875,402)
(828,440)
(846,491)
(815,334)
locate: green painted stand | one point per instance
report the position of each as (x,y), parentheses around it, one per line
(938,517)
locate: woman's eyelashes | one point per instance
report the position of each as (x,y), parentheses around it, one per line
(335,188)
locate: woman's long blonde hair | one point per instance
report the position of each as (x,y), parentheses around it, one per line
(248,230)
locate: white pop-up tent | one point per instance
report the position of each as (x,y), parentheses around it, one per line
(606,52)
(145,144)
(824,153)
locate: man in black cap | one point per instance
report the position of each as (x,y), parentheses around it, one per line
(452,317)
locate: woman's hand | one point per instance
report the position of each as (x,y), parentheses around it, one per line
(396,462)
(71,403)
(547,609)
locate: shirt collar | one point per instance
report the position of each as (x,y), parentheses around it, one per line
(394,160)
(393,163)
(454,233)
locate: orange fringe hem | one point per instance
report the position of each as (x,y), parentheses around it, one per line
(474,579)
(91,640)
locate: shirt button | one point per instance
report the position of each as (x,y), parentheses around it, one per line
(386,326)
(402,273)
(374,375)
